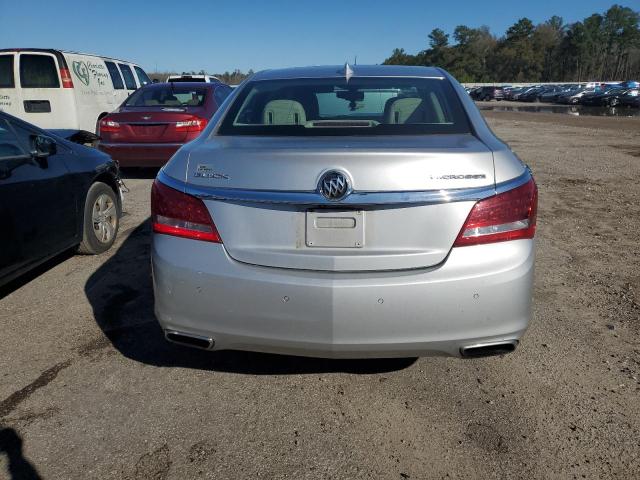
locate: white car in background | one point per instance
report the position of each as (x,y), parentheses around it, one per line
(193,78)
(64,90)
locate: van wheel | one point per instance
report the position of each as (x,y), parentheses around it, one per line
(101,220)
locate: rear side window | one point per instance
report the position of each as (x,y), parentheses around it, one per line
(143,78)
(129,81)
(221,93)
(6,71)
(10,146)
(38,71)
(116,79)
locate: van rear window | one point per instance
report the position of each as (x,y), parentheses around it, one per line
(143,78)
(6,71)
(114,73)
(38,71)
(129,81)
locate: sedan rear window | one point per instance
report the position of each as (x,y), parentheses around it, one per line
(337,106)
(38,71)
(168,96)
(6,71)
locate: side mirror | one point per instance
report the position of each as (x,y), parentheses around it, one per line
(42,146)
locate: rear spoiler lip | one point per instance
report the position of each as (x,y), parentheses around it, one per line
(356,198)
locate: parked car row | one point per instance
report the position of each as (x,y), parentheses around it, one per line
(602,95)
(140,123)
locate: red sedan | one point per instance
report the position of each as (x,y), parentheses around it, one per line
(158,119)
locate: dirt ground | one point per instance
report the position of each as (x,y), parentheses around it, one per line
(89,388)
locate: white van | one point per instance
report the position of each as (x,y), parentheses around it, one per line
(59,89)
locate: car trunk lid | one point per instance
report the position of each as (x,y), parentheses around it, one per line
(341,236)
(159,125)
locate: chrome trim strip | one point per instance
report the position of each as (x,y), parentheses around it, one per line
(146,124)
(109,145)
(314,198)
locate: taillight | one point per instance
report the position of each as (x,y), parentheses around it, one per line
(67,82)
(108,125)
(194,124)
(509,215)
(181,215)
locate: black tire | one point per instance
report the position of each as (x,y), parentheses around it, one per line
(99,225)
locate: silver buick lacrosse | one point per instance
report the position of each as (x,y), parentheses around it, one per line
(345,211)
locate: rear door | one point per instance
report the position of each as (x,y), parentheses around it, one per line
(9,101)
(44,100)
(38,207)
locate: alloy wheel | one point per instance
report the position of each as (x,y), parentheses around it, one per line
(104,217)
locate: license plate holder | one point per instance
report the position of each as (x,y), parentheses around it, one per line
(335,228)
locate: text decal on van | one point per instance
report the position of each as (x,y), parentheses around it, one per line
(86,70)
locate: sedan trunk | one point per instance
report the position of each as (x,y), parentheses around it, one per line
(157,125)
(335,236)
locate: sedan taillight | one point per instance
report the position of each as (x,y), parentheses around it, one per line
(509,215)
(109,125)
(194,124)
(181,215)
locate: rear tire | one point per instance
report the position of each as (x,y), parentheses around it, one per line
(101,220)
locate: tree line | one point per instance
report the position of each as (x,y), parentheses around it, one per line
(601,47)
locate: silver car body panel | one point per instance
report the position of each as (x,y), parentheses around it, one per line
(402,291)
(481,294)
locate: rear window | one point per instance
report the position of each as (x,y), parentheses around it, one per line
(38,71)
(143,78)
(168,96)
(335,106)
(114,73)
(129,81)
(6,71)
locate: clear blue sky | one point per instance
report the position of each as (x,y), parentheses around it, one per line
(218,36)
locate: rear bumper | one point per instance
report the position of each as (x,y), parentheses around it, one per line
(140,154)
(481,294)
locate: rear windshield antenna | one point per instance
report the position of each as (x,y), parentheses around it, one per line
(348,71)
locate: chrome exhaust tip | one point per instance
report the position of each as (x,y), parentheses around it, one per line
(189,339)
(488,349)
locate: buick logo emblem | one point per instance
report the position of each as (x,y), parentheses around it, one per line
(334,185)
